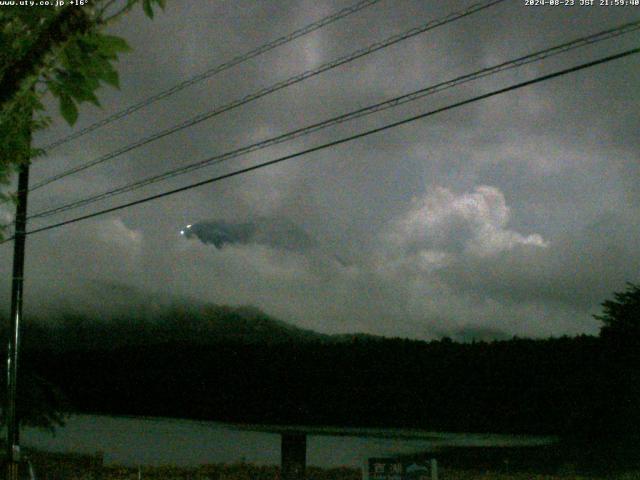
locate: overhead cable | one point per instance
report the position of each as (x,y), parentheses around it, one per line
(337,142)
(390,103)
(312,27)
(274,88)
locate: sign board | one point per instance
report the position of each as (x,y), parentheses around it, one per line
(396,469)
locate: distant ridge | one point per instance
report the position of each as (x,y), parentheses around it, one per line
(178,323)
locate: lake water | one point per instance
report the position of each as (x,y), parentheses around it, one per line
(157,441)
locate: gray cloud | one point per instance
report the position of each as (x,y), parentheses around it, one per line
(579,269)
(515,215)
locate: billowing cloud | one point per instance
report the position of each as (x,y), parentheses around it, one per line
(443,224)
(578,271)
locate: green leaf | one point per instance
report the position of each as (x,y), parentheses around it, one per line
(111,77)
(37,152)
(111,45)
(91,97)
(68,109)
(148,10)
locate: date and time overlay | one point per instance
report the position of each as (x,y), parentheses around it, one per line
(582,3)
(527,3)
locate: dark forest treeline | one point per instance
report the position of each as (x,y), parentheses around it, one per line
(239,365)
(515,386)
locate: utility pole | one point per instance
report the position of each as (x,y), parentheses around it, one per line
(17,289)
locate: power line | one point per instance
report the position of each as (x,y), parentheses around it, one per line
(312,27)
(274,88)
(400,100)
(340,141)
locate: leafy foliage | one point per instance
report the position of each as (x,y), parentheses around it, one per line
(58,50)
(621,316)
(620,335)
(84,64)
(240,365)
(147,5)
(62,51)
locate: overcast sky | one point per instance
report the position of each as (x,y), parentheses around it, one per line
(516,215)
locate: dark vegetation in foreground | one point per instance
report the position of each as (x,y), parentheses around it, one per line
(526,463)
(239,365)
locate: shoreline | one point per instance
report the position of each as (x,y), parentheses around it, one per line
(337,431)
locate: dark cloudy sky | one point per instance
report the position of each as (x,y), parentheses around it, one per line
(514,215)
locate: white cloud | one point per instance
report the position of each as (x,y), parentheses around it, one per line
(443,223)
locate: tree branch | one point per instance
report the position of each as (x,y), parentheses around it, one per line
(71,21)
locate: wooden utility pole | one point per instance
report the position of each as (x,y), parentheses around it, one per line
(17,289)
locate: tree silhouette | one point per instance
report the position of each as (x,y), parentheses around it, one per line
(620,363)
(621,316)
(65,52)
